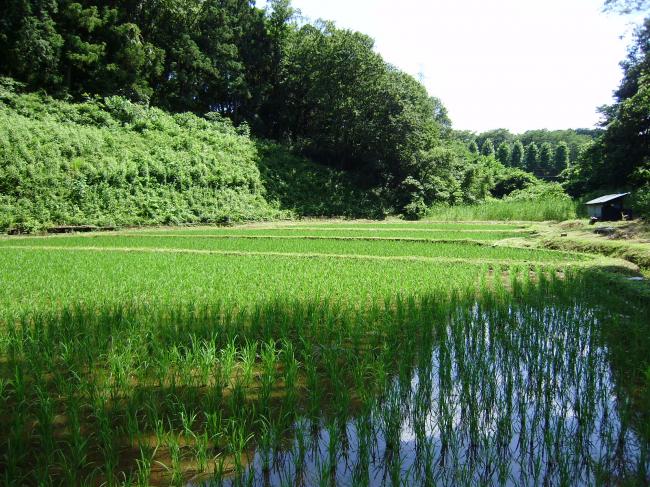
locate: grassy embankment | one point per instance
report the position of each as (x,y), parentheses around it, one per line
(113,163)
(625,240)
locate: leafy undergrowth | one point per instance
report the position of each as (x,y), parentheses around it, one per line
(109,162)
(310,189)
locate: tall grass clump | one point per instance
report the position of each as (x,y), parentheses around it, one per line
(553,209)
(543,202)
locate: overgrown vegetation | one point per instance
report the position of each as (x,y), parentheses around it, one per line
(620,157)
(291,82)
(307,189)
(536,203)
(110,162)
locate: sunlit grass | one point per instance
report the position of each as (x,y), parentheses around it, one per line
(356,232)
(385,248)
(138,359)
(542,209)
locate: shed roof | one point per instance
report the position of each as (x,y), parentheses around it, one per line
(606,199)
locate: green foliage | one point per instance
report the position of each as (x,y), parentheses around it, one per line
(618,157)
(487,148)
(511,179)
(473,147)
(552,191)
(526,199)
(574,140)
(497,136)
(639,201)
(322,91)
(504,154)
(362,116)
(561,158)
(113,162)
(544,209)
(415,210)
(308,189)
(517,156)
(546,160)
(531,158)
(186,56)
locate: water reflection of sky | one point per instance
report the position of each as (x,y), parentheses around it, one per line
(546,411)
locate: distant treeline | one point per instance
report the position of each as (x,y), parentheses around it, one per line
(545,153)
(589,163)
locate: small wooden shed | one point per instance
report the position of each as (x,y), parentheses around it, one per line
(608,207)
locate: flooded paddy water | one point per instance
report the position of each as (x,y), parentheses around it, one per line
(163,360)
(515,396)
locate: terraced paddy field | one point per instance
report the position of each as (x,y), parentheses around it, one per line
(319,353)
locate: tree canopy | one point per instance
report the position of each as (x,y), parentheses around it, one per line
(322,91)
(620,157)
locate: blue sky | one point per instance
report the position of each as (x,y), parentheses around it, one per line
(518,64)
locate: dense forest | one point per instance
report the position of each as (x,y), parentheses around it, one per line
(317,91)
(545,153)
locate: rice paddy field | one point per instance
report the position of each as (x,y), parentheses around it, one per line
(319,353)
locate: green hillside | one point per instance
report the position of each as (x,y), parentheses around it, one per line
(110,162)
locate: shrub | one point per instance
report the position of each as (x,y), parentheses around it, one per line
(511,179)
(640,202)
(415,210)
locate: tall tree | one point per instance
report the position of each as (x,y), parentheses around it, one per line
(561,160)
(546,160)
(280,25)
(531,159)
(498,136)
(487,149)
(504,153)
(517,156)
(363,115)
(618,157)
(473,147)
(31,48)
(324,91)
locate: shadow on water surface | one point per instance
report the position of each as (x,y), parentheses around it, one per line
(537,384)
(523,395)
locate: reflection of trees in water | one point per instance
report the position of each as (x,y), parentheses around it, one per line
(519,386)
(518,395)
